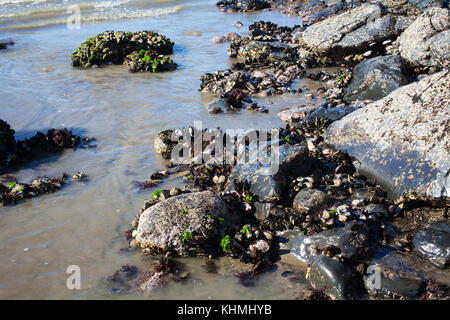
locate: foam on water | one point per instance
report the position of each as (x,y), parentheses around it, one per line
(30,14)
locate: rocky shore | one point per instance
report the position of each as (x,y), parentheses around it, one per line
(361,194)
(15,153)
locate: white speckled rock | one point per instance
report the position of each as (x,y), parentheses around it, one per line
(426,42)
(163,224)
(403,139)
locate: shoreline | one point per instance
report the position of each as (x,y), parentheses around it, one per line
(269,62)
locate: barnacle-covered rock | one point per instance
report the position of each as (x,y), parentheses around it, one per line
(242,5)
(148,60)
(113,47)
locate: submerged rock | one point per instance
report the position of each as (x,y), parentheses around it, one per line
(164,224)
(402,140)
(375,78)
(434,243)
(337,279)
(426,42)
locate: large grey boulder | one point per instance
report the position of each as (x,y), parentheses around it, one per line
(351,31)
(163,224)
(375,78)
(426,42)
(268,180)
(403,139)
(434,243)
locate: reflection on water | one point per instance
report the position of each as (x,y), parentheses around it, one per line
(84,223)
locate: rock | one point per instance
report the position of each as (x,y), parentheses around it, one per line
(402,140)
(350,32)
(426,42)
(144,50)
(7,144)
(163,224)
(227,37)
(389,276)
(434,243)
(355,240)
(148,61)
(262,210)
(309,200)
(423,5)
(334,114)
(375,78)
(339,281)
(296,113)
(267,180)
(242,5)
(218,106)
(4,45)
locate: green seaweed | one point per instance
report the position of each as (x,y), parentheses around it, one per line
(225,243)
(245,230)
(186,237)
(156,193)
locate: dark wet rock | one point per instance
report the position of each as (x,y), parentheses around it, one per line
(388,275)
(268,180)
(242,5)
(337,279)
(355,241)
(402,139)
(309,200)
(4,45)
(425,44)
(350,32)
(375,78)
(164,224)
(113,47)
(19,152)
(434,243)
(148,61)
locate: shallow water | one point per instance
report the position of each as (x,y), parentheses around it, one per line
(84,223)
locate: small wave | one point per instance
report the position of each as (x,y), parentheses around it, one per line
(99,17)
